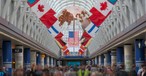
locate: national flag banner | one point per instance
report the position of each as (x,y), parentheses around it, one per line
(82,47)
(64,48)
(81,52)
(59,40)
(87,42)
(97,17)
(73,39)
(113,1)
(42,9)
(86,35)
(101,10)
(60,43)
(92,29)
(54,30)
(87,39)
(66,52)
(32,2)
(59,36)
(48,18)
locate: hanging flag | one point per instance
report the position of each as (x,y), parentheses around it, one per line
(64,48)
(97,18)
(48,19)
(55,29)
(73,39)
(81,52)
(42,9)
(92,29)
(101,10)
(66,52)
(82,47)
(59,40)
(87,39)
(86,35)
(112,1)
(32,2)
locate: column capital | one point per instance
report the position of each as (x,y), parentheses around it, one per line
(128,44)
(139,39)
(18,46)
(113,53)
(33,51)
(113,49)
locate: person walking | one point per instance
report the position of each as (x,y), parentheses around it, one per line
(121,71)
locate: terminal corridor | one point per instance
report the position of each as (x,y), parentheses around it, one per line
(72,37)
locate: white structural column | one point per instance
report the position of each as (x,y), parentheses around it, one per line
(48,61)
(99,60)
(92,62)
(19,57)
(95,59)
(52,62)
(59,63)
(128,54)
(113,57)
(105,59)
(89,62)
(33,57)
(42,60)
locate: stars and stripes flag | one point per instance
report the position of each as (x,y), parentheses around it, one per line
(73,39)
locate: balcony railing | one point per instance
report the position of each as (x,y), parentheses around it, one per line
(18,13)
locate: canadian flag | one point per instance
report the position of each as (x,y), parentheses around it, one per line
(101,10)
(42,9)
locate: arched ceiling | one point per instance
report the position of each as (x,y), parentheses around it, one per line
(59,5)
(64,18)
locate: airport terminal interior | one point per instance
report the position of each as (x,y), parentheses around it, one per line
(72,37)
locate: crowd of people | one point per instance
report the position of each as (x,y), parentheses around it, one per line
(88,70)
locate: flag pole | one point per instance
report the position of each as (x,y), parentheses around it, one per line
(74,34)
(74,30)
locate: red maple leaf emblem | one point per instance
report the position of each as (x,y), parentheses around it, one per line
(103,6)
(41,8)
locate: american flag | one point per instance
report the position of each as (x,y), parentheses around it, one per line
(73,39)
